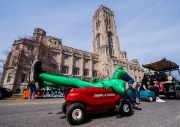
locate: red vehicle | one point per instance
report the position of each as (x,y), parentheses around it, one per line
(79,101)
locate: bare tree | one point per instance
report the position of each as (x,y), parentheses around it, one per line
(19,57)
(1,67)
(24,51)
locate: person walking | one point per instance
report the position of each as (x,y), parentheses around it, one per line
(32,89)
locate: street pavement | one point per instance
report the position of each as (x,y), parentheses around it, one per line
(48,113)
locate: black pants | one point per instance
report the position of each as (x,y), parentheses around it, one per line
(155,90)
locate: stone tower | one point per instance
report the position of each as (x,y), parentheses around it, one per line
(105,39)
(38,34)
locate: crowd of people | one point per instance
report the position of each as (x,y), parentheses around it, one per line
(44,92)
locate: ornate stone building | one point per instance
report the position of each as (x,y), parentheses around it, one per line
(57,58)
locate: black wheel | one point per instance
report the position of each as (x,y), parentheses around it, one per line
(177,94)
(150,99)
(64,107)
(167,96)
(125,108)
(76,114)
(1,95)
(137,100)
(9,93)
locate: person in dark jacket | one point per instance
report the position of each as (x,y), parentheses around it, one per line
(146,84)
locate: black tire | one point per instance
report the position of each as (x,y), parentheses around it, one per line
(64,107)
(125,108)
(76,114)
(150,99)
(1,95)
(9,93)
(177,94)
(137,100)
(167,96)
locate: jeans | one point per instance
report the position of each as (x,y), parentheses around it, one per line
(155,90)
(32,90)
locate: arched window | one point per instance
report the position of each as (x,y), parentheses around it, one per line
(65,70)
(86,60)
(54,66)
(9,78)
(76,71)
(77,58)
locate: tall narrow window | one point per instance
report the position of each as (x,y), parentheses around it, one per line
(98,41)
(17,47)
(14,62)
(23,77)
(9,78)
(94,73)
(110,43)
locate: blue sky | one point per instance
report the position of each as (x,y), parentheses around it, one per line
(148,30)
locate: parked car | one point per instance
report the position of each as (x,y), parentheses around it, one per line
(5,93)
(163,77)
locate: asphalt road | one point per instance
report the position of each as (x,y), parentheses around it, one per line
(48,113)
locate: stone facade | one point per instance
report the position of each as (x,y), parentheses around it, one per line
(107,46)
(57,58)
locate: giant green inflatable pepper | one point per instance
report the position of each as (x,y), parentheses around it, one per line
(116,84)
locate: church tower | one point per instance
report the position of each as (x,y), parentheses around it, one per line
(105,39)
